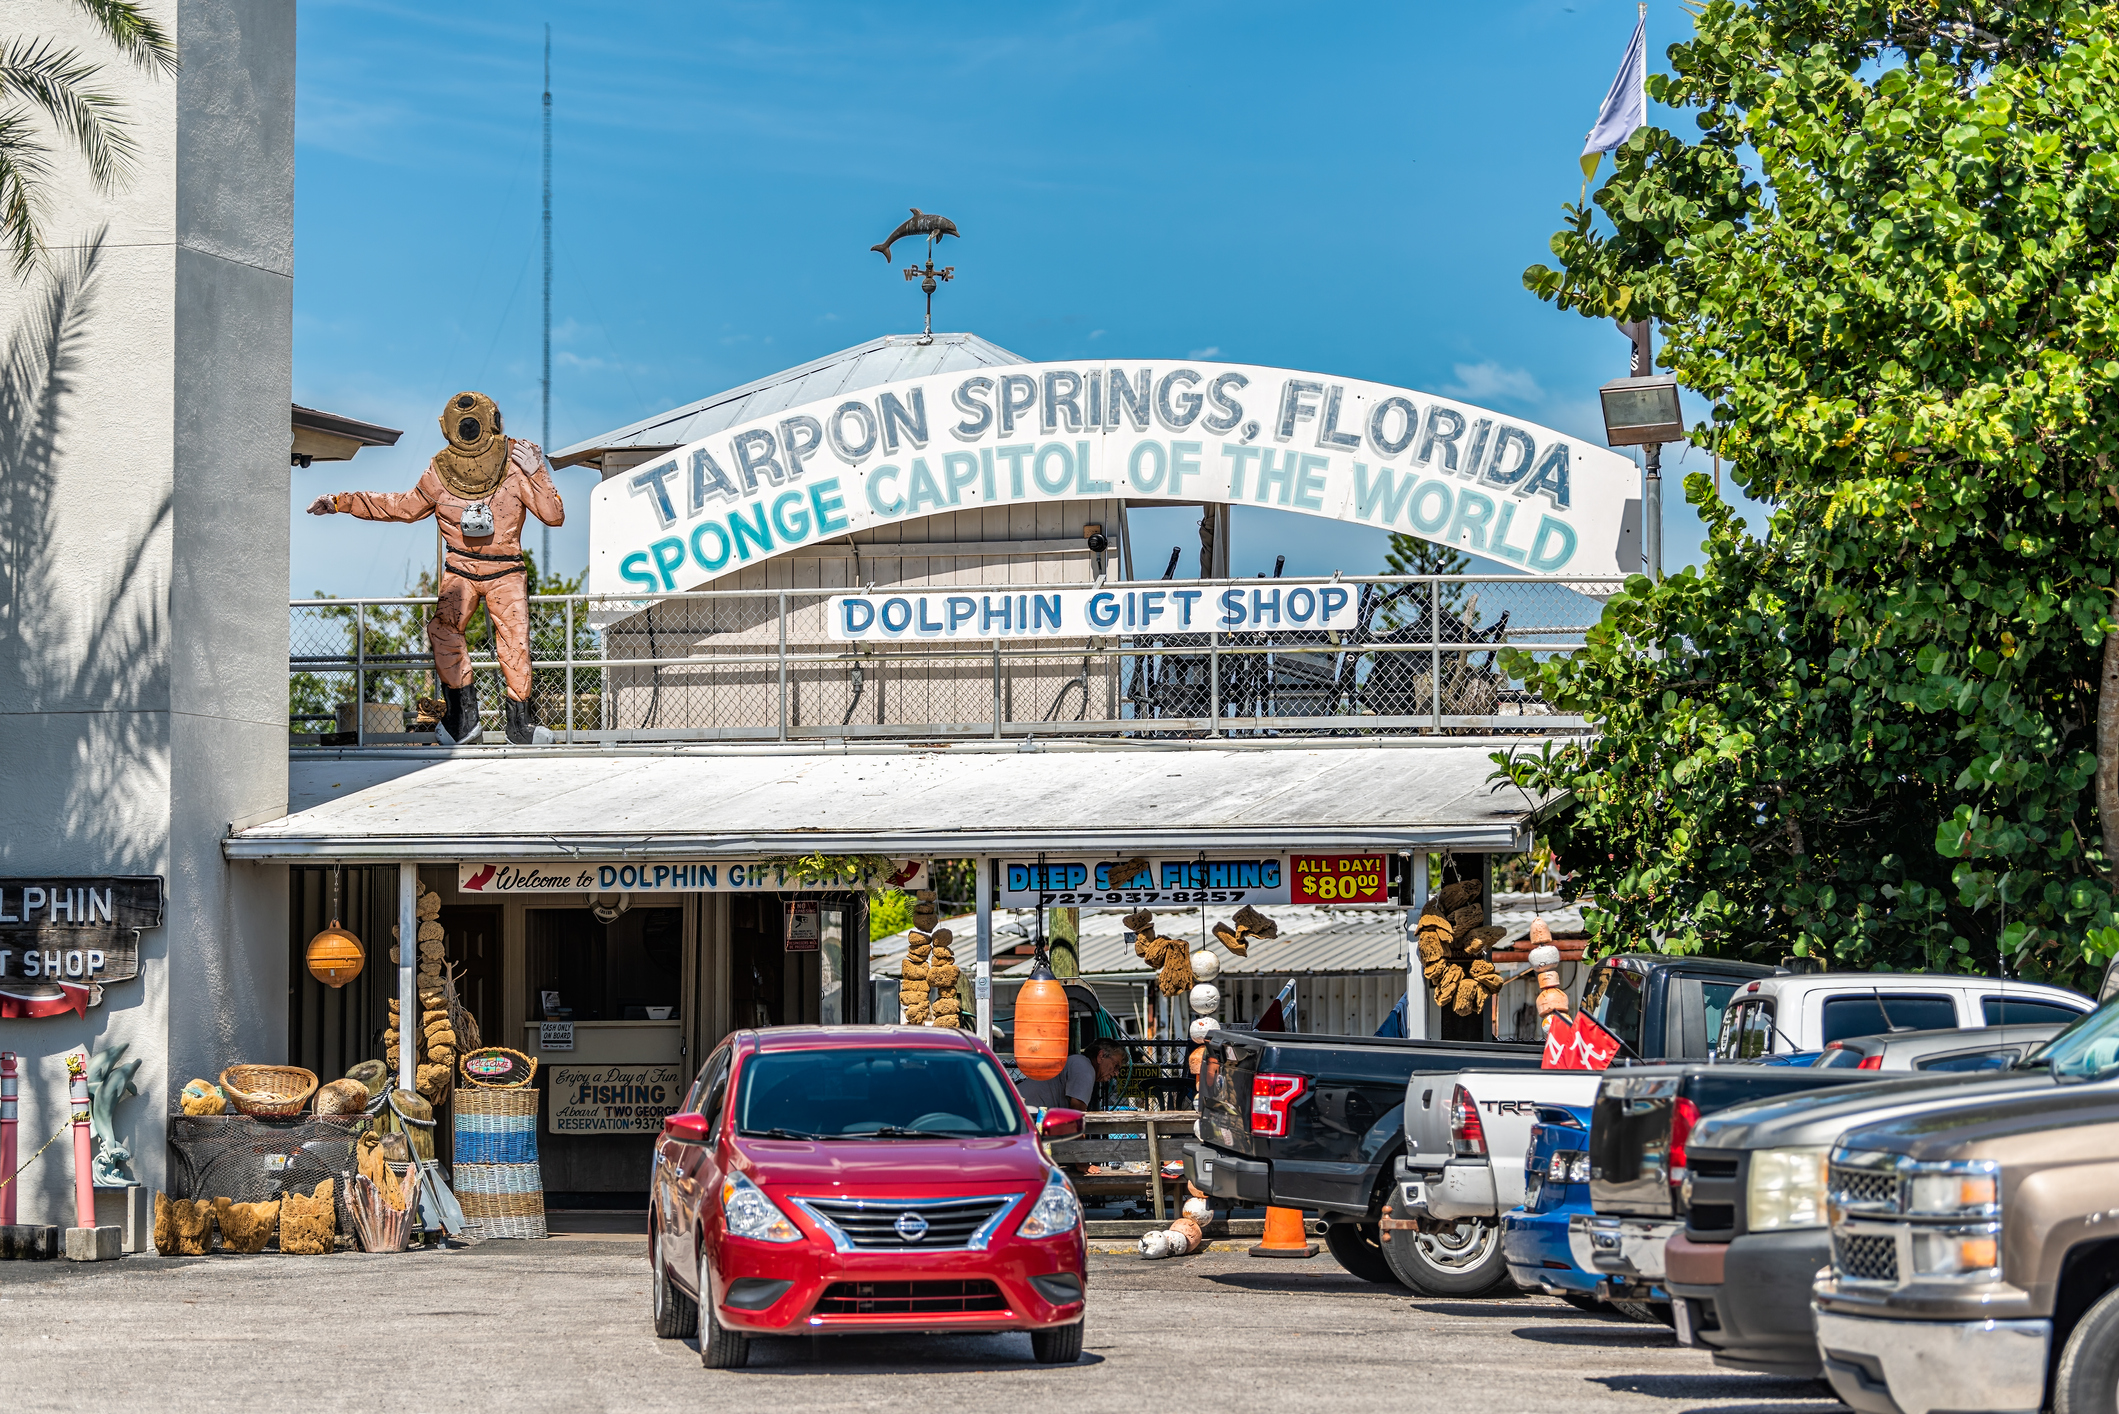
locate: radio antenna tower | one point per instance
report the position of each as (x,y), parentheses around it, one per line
(544,555)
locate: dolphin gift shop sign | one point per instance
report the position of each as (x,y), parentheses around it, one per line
(1187,433)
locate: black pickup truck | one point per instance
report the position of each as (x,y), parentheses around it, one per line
(1317,1122)
(1640,1131)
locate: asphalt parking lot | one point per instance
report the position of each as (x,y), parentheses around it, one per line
(563,1326)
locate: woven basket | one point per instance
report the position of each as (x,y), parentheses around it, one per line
(268,1089)
(501,1200)
(525,1067)
(499,1104)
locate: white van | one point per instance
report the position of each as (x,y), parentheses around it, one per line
(1773,1016)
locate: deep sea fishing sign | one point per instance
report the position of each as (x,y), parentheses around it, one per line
(1364,453)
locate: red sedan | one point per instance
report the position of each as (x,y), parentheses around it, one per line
(861,1179)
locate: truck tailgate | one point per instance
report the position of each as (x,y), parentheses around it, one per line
(1225,1094)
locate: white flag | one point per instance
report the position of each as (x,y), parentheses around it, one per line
(1626,106)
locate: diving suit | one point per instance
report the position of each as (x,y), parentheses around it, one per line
(479,487)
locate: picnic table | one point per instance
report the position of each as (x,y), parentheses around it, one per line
(1122,1137)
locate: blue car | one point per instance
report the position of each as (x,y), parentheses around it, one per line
(1534,1236)
(1555,1186)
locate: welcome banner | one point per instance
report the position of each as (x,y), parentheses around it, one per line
(1187,433)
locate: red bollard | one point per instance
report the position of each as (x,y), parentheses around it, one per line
(9,1062)
(84,1179)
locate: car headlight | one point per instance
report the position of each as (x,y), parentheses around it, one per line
(1056,1211)
(1959,1253)
(1954,1190)
(749,1213)
(1786,1189)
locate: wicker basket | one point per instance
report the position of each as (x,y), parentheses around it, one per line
(501,1200)
(268,1090)
(526,1065)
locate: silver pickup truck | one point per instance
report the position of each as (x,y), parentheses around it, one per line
(1466,1135)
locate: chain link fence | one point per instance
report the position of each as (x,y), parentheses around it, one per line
(761,666)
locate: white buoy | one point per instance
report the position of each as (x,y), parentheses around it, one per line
(1205,966)
(1201,1025)
(1205,999)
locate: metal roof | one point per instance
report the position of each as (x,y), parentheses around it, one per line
(555,803)
(884,360)
(1311,939)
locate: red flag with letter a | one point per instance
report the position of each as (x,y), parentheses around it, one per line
(1559,1044)
(1595,1048)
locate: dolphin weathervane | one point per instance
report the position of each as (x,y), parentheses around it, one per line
(923,223)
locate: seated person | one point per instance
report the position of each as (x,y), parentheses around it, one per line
(1099,1060)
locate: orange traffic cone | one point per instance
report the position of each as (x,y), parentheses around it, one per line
(1284,1235)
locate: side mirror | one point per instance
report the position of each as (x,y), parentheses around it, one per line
(1060,1124)
(688,1128)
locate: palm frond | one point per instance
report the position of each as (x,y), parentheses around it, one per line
(24,164)
(53,79)
(134,32)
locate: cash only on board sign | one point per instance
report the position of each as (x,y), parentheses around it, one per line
(1185,433)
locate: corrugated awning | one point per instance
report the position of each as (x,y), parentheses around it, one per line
(962,799)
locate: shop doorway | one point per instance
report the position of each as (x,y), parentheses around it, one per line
(585,968)
(471,941)
(808,981)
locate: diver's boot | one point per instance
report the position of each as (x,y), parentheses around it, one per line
(522,725)
(459,725)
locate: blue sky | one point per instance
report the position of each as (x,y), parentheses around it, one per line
(1349,188)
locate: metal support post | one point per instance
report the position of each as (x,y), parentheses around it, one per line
(1434,671)
(982,951)
(1415,982)
(1214,679)
(783,667)
(570,669)
(360,674)
(9,1064)
(407,978)
(996,689)
(1652,511)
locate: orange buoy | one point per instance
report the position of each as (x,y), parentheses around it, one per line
(1284,1235)
(1041,1031)
(335,956)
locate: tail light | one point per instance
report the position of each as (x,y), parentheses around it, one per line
(1684,1118)
(1873,1061)
(1271,1095)
(1466,1136)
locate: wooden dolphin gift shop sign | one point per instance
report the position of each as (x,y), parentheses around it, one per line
(1186,433)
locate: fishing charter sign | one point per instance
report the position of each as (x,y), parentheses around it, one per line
(1187,433)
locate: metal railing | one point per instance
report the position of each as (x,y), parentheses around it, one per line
(752,665)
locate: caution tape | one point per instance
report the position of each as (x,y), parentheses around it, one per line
(69,1124)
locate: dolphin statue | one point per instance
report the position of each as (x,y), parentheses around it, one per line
(920,223)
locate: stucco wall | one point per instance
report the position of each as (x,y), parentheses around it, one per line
(143,545)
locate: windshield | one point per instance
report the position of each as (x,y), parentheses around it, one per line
(2088,1050)
(917,1092)
(1614,1000)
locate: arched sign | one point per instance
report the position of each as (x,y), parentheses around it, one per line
(1364,453)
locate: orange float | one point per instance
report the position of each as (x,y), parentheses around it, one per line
(1041,1023)
(335,956)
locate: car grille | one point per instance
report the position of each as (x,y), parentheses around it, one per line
(910,1298)
(1864,1188)
(871,1225)
(1866,1256)
(1712,1217)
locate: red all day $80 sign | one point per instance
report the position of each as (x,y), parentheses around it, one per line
(1338,878)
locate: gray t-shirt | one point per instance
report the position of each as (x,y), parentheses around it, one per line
(1069,1090)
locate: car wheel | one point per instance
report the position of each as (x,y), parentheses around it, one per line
(2088,1377)
(1062,1345)
(1465,1259)
(1359,1248)
(1648,1313)
(676,1315)
(1582,1301)
(719,1347)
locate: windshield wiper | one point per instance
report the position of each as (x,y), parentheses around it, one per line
(898,1131)
(781,1134)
